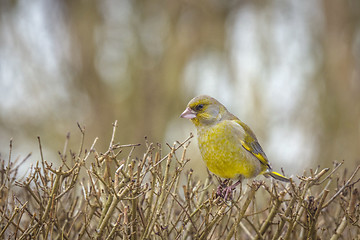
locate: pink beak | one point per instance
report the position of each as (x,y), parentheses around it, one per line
(188,113)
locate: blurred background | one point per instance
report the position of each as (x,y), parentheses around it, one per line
(290,69)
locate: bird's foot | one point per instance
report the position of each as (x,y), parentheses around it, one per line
(225,191)
(221,188)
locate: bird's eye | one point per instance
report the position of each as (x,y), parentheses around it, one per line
(199,107)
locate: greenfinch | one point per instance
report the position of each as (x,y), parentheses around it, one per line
(228,146)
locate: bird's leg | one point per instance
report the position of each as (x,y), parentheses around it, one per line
(221,187)
(227,191)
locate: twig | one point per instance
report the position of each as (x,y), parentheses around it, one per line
(250,197)
(347,184)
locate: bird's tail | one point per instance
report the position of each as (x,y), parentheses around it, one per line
(276,175)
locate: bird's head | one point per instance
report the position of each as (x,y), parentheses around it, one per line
(204,110)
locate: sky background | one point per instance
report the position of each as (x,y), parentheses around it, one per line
(289,69)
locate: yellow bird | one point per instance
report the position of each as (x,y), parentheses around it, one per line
(228,146)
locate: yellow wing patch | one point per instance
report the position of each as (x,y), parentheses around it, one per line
(259,155)
(251,144)
(245,146)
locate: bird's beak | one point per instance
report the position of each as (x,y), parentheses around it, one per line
(188,113)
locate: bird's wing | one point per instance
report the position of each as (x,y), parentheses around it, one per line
(251,144)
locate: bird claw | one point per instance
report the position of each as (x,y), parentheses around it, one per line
(225,191)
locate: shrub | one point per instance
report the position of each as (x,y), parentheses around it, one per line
(153,197)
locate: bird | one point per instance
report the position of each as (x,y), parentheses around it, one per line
(227,145)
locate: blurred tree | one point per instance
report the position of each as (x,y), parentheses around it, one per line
(98,61)
(338,83)
(161,39)
(128,67)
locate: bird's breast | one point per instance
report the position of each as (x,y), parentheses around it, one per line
(222,151)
